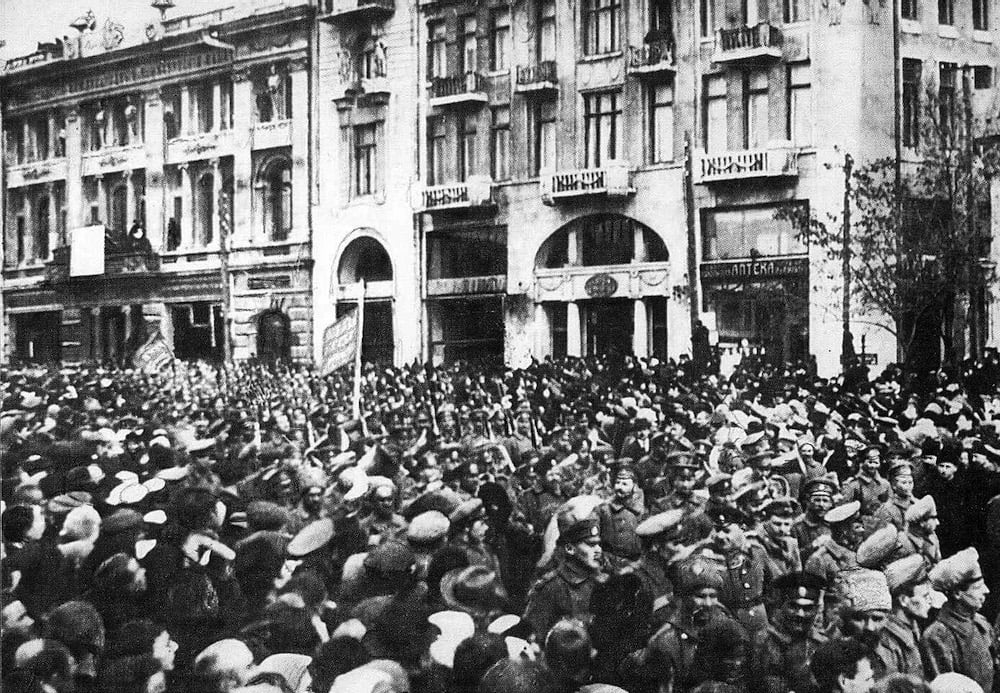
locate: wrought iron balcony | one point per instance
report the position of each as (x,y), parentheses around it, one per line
(653,57)
(475,192)
(458,89)
(745,43)
(613,180)
(333,11)
(748,163)
(537,77)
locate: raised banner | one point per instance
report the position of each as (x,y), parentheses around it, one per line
(86,257)
(341,342)
(154,355)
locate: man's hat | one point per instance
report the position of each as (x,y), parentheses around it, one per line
(865,590)
(799,586)
(466,512)
(661,523)
(390,557)
(475,590)
(905,572)
(728,514)
(697,573)
(843,513)
(312,537)
(922,509)
(781,507)
(957,571)
(878,547)
(427,527)
(900,467)
(825,485)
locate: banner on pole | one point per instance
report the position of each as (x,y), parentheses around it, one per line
(341,342)
(154,355)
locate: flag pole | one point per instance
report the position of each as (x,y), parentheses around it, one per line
(357,353)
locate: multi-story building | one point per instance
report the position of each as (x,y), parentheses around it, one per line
(187,158)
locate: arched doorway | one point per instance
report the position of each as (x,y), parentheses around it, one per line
(274,336)
(615,302)
(366,260)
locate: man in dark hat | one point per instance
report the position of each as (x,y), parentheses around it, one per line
(781,661)
(810,527)
(682,471)
(775,535)
(660,539)
(893,512)
(544,496)
(868,486)
(619,517)
(898,650)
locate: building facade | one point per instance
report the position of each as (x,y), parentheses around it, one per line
(188,158)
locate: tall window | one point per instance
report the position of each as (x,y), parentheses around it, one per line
(661,16)
(437,49)
(500,143)
(42,228)
(205,208)
(714,126)
(202,105)
(466,146)
(601,113)
(946,97)
(172,116)
(908,9)
(755,106)
(276,189)
(435,151)
(542,115)
(546,31)
(365,159)
(469,54)
(797,10)
(661,122)
(799,123)
(601,19)
(705,18)
(911,101)
(946,11)
(981,15)
(226,104)
(499,39)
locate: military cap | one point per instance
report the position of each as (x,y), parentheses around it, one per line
(898,468)
(466,512)
(752,439)
(172,473)
(825,485)
(681,459)
(865,590)
(312,537)
(922,509)
(121,521)
(957,571)
(880,544)
(698,573)
(358,480)
(390,557)
(572,530)
(266,515)
(625,470)
(721,479)
(728,514)
(63,503)
(799,586)
(842,513)
(660,523)
(905,572)
(427,527)
(781,507)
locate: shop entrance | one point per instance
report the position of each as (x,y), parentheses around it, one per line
(609,326)
(36,336)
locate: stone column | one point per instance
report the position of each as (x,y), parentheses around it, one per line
(574,337)
(102,200)
(639,247)
(543,331)
(640,328)
(216,199)
(129,200)
(573,247)
(53,134)
(50,190)
(187,209)
(155,145)
(74,178)
(300,150)
(29,141)
(243,105)
(185,114)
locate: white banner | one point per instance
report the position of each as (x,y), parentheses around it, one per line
(86,257)
(341,340)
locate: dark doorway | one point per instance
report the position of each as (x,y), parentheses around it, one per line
(377,342)
(36,336)
(197,330)
(609,326)
(274,336)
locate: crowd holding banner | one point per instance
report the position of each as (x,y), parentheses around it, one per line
(581,525)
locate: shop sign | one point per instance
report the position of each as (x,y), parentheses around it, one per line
(756,268)
(268,283)
(467,285)
(601,286)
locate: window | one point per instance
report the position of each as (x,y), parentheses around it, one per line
(546,30)
(982,77)
(981,15)
(600,26)
(661,122)
(276,190)
(714,127)
(202,104)
(21,233)
(478,252)
(798,10)
(469,55)
(908,9)
(226,104)
(205,210)
(542,116)
(172,116)
(799,124)
(911,102)
(41,248)
(705,17)
(365,160)
(467,146)
(435,151)
(437,49)
(499,39)
(661,17)
(946,11)
(601,113)
(748,231)
(500,143)
(755,116)
(946,98)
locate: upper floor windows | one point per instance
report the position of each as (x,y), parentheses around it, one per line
(661,17)
(908,9)
(798,10)
(981,15)
(911,101)
(274,195)
(800,113)
(273,96)
(546,30)
(499,38)
(36,137)
(601,20)
(602,112)
(468,45)
(437,49)
(115,122)
(946,12)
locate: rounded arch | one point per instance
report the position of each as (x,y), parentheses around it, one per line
(273,184)
(274,335)
(364,258)
(602,239)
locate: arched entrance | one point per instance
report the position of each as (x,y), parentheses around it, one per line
(365,260)
(600,288)
(274,336)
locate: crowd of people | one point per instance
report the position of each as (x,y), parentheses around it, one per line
(584,525)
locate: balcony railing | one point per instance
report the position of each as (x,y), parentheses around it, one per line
(612,179)
(749,163)
(117,262)
(337,10)
(537,77)
(653,57)
(747,43)
(476,192)
(470,87)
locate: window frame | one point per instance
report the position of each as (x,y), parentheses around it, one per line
(466,149)
(542,121)
(654,106)
(594,13)
(946,12)
(365,155)
(500,161)
(468,39)
(595,122)
(911,101)
(500,34)
(437,49)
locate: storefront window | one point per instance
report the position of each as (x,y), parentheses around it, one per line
(466,253)
(748,232)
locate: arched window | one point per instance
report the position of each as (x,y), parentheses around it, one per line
(364,259)
(602,239)
(275,190)
(205,209)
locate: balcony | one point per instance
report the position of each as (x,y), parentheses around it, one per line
(611,180)
(749,163)
(333,11)
(652,58)
(747,43)
(459,89)
(111,159)
(537,78)
(117,263)
(476,192)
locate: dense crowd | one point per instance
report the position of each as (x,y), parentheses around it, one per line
(578,525)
